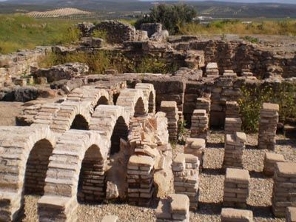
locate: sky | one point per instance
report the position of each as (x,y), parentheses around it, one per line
(241,1)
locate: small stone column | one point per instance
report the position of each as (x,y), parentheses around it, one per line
(291,214)
(269,162)
(212,69)
(174,208)
(232,109)
(284,188)
(236,188)
(232,125)
(199,124)
(171,110)
(196,147)
(269,118)
(233,150)
(186,177)
(140,171)
(236,215)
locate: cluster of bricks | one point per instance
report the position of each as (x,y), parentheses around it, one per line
(174,208)
(203,103)
(171,110)
(270,159)
(284,188)
(199,124)
(233,150)
(267,126)
(236,188)
(140,172)
(186,177)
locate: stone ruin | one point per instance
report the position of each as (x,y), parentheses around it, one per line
(70,151)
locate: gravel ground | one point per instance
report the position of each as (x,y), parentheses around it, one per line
(211,187)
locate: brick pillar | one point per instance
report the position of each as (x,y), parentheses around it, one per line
(236,188)
(232,109)
(270,160)
(232,125)
(186,177)
(199,124)
(196,147)
(140,173)
(233,150)
(284,188)
(269,118)
(171,110)
(174,208)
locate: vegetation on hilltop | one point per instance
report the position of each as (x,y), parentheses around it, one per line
(172,17)
(22,32)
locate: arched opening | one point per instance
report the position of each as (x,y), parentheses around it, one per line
(79,123)
(91,185)
(120,131)
(36,167)
(151,103)
(102,101)
(115,97)
(139,108)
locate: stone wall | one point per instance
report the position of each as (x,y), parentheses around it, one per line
(117,32)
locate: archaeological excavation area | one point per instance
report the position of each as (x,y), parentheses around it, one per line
(174,144)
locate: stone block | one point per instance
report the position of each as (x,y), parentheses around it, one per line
(236,215)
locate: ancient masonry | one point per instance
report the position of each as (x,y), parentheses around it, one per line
(284,188)
(174,208)
(199,124)
(269,118)
(186,170)
(104,141)
(233,150)
(236,188)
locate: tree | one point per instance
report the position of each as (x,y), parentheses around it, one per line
(170,16)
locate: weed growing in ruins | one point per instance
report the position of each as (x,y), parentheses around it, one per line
(254,96)
(251,39)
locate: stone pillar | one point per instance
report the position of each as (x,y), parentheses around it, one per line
(236,188)
(186,171)
(199,124)
(291,214)
(236,215)
(232,125)
(174,208)
(233,150)
(270,160)
(196,147)
(140,171)
(267,126)
(232,109)
(284,188)
(171,110)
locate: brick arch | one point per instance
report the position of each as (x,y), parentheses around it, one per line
(112,123)
(62,179)
(133,101)
(149,95)
(17,146)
